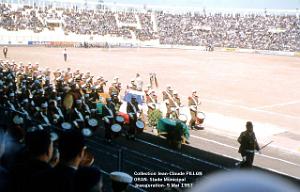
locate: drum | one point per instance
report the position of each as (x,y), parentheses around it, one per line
(88,159)
(200,118)
(140,126)
(86,132)
(119,119)
(116,130)
(125,116)
(66,125)
(92,123)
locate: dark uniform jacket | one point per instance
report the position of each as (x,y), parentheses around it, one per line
(248,142)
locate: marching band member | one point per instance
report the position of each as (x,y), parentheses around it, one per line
(193,103)
(151,101)
(109,115)
(43,115)
(79,114)
(133,111)
(138,82)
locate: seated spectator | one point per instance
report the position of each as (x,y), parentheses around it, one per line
(61,177)
(88,179)
(14,146)
(3,171)
(39,148)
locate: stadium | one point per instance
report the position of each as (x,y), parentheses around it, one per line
(159,93)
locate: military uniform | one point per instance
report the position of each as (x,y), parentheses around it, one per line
(5,50)
(193,104)
(132,109)
(113,89)
(248,145)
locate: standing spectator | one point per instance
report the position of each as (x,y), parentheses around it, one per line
(248,145)
(65,54)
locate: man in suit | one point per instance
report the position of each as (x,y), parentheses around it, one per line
(248,146)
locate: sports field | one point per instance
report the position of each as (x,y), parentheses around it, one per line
(233,87)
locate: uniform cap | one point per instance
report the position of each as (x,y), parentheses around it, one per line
(44,105)
(18,120)
(121,177)
(182,118)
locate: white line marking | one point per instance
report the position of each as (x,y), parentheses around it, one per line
(251,109)
(229,146)
(278,104)
(182,154)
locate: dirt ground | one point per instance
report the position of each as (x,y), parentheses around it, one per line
(260,88)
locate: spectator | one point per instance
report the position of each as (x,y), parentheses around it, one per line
(61,178)
(40,150)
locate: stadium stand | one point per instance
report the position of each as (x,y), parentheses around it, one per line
(251,31)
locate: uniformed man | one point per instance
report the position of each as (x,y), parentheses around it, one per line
(248,146)
(109,114)
(5,51)
(65,54)
(120,181)
(151,100)
(114,88)
(133,85)
(132,110)
(138,82)
(193,103)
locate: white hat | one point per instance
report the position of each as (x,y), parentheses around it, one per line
(11,95)
(53,136)
(18,120)
(44,105)
(182,118)
(87,95)
(194,91)
(116,77)
(25,101)
(132,80)
(58,98)
(121,177)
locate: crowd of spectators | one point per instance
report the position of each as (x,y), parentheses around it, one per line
(251,31)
